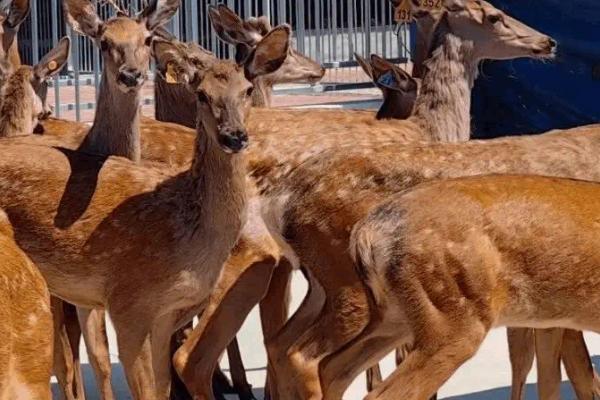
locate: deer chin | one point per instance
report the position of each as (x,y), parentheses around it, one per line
(129,89)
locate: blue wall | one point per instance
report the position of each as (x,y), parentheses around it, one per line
(526,96)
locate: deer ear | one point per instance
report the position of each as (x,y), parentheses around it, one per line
(158,13)
(82,17)
(364,64)
(54,61)
(171,63)
(270,53)
(15,11)
(229,26)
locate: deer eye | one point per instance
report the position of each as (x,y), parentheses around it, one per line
(494,18)
(249,91)
(202,97)
(148,41)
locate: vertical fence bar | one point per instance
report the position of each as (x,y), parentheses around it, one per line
(35,33)
(54,10)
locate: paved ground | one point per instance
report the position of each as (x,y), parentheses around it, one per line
(485,377)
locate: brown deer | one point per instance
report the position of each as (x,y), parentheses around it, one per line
(25,324)
(146,245)
(22,99)
(399,89)
(268,167)
(245,35)
(447,261)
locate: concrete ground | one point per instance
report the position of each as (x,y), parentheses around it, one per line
(485,377)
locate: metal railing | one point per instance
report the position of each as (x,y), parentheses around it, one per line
(330,31)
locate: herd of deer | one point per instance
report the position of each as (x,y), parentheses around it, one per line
(411,236)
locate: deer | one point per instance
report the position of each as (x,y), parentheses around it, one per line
(179,229)
(439,277)
(268,171)
(26,323)
(23,101)
(399,89)
(349,183)
(116,87)
(245,35)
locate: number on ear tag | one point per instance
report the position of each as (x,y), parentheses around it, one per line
(402,13)
(432,4)
(171,75)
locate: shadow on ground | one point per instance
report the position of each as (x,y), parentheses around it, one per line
(566,391)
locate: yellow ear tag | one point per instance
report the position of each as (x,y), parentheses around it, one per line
(403,13)
(52,65)
(171,75)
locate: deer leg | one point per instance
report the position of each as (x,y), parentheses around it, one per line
(66,365)
(338,370)
(161,353)
(274,312)
(548,343)
(278,345)
(374,377)
(238,372)
(93,324)
(135,353)
(178,389)
(521,349)
(235,295)
(578,364)
(221,384)
(431,363)
(344,316)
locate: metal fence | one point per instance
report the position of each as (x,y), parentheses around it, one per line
(330,31)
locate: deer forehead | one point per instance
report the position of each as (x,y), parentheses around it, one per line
(224,78)
(125,31)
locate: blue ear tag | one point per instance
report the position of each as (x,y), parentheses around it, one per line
(388,79)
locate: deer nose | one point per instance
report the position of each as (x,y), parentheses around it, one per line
(130,77)
(234,141)
(552,43)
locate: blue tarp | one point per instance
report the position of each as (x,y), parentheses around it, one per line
(525,96)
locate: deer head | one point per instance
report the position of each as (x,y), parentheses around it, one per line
(12,15)
(124,41)
(494,34)
(24,92)
(245,35)
(398,87)
(223,88)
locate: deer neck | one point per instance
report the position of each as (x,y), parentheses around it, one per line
(174,103)
(263,93)
(12,53)
(215,197)
(116,128)
(443,107)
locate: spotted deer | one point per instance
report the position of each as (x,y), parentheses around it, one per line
(25,323)
(144,244)
(399,89)
(22,96)
(268,169)
(447,261)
